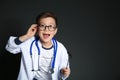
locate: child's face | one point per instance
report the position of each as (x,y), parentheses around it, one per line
(47,29)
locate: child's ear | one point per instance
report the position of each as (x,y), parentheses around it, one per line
(56,31)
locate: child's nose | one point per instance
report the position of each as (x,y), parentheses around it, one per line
(46,28)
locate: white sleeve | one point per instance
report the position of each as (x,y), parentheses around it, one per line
(64,61)
(11,46)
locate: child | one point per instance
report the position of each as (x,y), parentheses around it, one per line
(43,57)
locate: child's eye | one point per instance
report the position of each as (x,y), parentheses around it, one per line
(42,25)
(50,26)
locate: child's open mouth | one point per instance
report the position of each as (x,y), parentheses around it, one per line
(46,35)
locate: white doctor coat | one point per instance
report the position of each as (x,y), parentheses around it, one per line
(25,72)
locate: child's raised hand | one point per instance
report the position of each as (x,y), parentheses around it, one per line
(30,33)
(32,30)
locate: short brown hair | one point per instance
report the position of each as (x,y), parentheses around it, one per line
(45,15)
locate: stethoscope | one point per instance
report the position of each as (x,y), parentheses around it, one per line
(55,45)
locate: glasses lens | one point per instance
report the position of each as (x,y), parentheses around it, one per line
(50,27)
(42,27)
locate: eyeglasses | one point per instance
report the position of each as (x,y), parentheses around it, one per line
(50,27)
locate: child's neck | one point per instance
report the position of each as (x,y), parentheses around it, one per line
(47,44)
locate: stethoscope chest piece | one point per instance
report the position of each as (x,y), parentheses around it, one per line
(51,71)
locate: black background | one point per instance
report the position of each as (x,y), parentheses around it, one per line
(88,29)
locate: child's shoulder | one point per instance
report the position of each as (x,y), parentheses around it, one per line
(60,44)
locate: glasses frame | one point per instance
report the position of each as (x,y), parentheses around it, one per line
(43,27)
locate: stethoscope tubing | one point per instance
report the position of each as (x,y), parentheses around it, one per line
(55,45)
